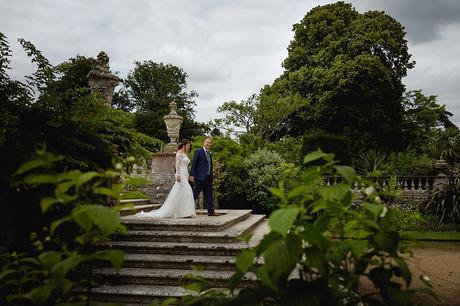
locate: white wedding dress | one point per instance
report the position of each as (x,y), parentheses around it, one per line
(180,202)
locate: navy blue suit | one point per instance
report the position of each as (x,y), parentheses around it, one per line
(202,172)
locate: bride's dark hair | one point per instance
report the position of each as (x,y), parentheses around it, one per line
(183,143)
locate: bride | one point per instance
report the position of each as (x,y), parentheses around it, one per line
(180,202)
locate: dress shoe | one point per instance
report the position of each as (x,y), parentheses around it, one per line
(214,214)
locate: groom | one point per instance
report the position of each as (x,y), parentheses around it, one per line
(201,174)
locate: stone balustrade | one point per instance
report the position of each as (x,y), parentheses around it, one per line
(425,183)
(415,189)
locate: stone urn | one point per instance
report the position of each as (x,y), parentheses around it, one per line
(173,122)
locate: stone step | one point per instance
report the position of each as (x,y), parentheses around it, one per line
(185,262)
(179,248)
(167,277)
(136,202)
(138,208)
(138,294)
(141,295)
(229,235)
(202,222)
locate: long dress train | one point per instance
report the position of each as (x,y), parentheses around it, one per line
(180,202)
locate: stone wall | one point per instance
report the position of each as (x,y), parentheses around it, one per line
(414,196)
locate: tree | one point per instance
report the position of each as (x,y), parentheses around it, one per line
(239,114)
(342,75)
(150,87)
(56,109)
(423,118)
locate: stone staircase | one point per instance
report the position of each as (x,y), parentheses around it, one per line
(138,205)
(161,252)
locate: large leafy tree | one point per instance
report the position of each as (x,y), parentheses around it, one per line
(149,88)
(342,75)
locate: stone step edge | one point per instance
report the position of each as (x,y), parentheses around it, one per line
(186,259)
(177,245)
(168,274)
(143,290)
(152,291)
(235,231)
(180,258)
(218,223)
(135,201)
(137,208)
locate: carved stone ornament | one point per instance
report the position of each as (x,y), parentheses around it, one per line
(101,80)
(173,122)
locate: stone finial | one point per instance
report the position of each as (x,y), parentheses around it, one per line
(102,62)
(101,80)
(173,122)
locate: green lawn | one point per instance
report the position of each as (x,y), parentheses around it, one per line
(431,236)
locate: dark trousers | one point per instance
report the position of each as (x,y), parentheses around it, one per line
(206,187)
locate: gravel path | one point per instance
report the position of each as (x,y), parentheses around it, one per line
(440,261)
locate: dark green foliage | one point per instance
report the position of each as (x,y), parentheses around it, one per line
(406,219)
(371,163)
(65,249)
(445,201)
(415,220)
(308,261)
(342,75)
(337,144)
(445,144)
(422,118)
(290,148)
(410,163)
(56,109)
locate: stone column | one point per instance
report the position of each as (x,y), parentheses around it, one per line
(442,167)
(101,80)
(163,163)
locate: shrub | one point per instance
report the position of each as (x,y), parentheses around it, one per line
(406,220)
(263,171)
(229,178)
(445,201)
(410,163)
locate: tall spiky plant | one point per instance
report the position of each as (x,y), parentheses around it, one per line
(371,163)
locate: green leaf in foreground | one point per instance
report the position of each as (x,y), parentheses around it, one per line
(281,220)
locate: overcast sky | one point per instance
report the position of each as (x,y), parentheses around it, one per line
(229,49)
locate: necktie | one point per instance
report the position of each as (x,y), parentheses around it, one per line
(208,157)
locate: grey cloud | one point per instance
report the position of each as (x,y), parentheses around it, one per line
(229,48)
(424,20)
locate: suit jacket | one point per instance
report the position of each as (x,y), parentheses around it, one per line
(200,165)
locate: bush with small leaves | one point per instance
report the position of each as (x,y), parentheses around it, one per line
(66,250)
(263,171)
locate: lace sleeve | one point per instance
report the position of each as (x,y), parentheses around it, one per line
(178,163)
